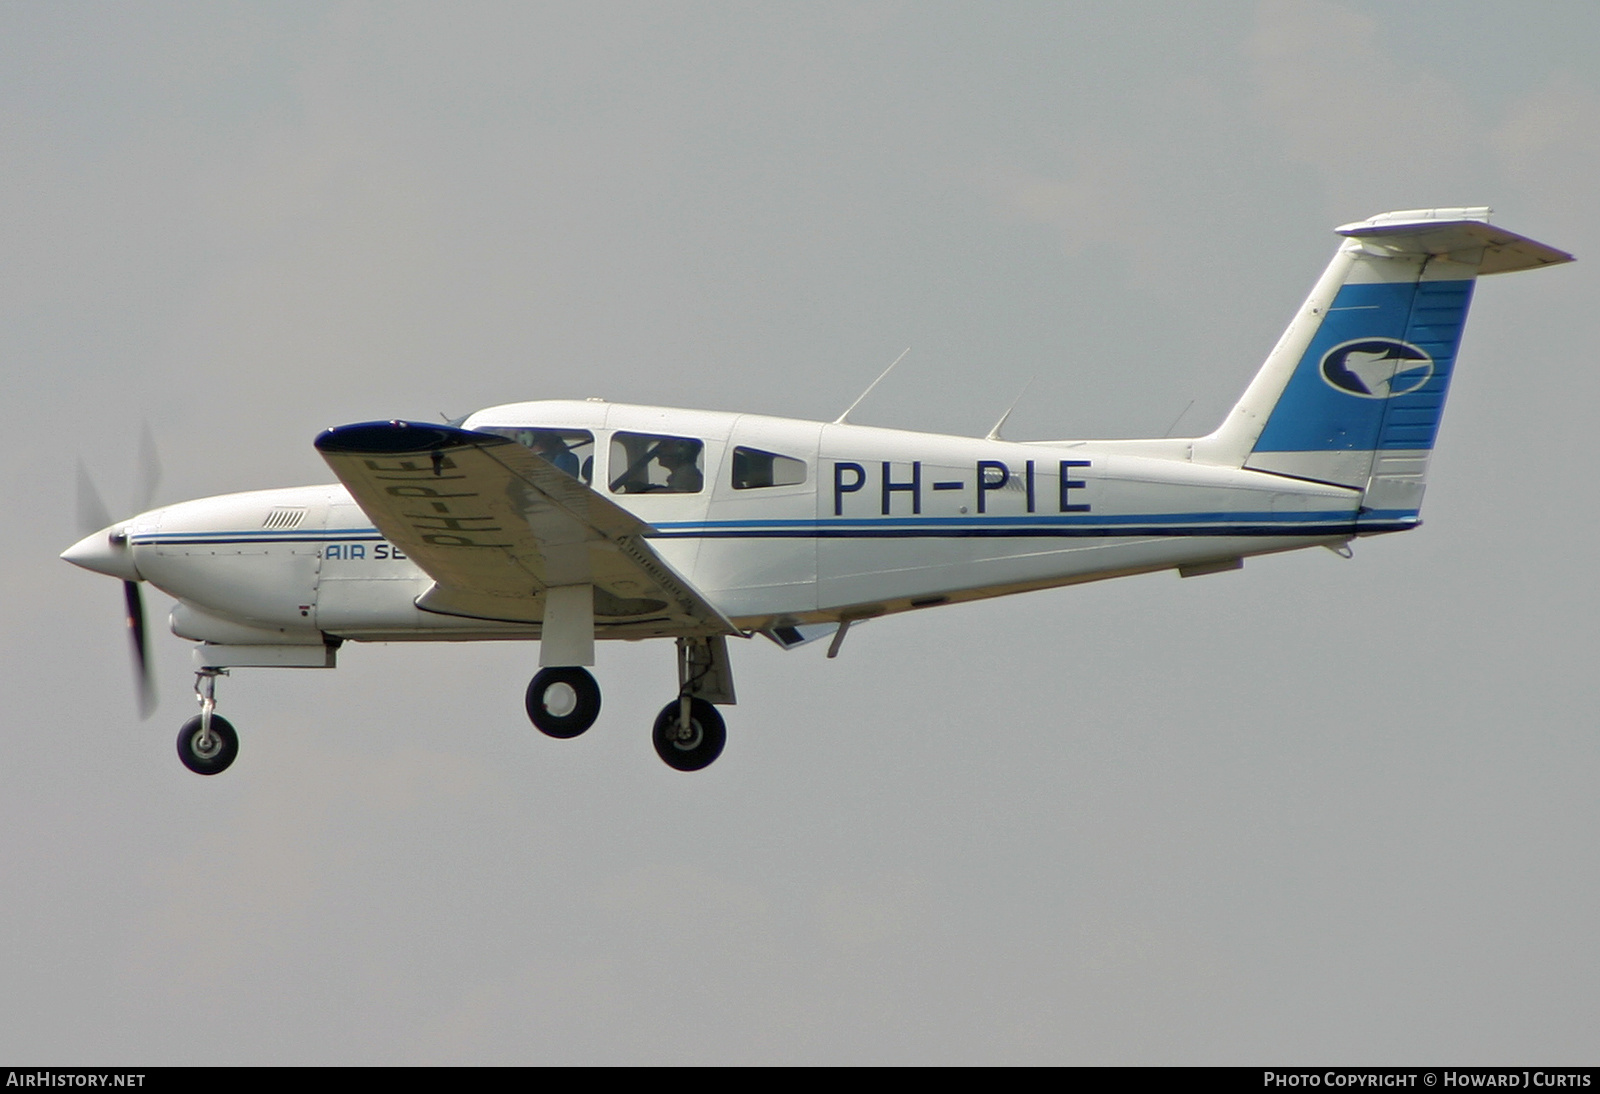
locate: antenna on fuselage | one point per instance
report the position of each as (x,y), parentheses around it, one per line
(994,434)
(1178,419)
(840,420)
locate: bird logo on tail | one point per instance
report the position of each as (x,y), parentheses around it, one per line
(1376,368)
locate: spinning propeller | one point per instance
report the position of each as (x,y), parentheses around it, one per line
(104,549)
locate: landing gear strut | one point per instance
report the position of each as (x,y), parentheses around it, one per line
(689,733)
(207,743)
(563,702)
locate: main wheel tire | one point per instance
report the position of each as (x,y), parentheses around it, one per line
(563,702)
(699,746)
(208,761)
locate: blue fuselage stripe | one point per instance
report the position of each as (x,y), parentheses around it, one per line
(932,525)
(1311,524)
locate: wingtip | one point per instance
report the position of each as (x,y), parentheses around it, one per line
(387,438)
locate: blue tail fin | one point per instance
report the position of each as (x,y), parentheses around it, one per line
(1354,391)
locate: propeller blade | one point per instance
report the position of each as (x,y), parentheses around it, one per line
(149,470)
(92,513)
(133,596)
(93,517)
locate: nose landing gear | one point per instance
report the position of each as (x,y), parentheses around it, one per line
(207,743)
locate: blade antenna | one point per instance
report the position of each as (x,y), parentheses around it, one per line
(840,420)
(994,434)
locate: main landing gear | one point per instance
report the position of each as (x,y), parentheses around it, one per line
(688,734)
(207,743)
(563,702)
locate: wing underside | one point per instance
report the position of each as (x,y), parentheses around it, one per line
(497,527)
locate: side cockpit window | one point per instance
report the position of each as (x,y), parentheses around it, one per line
(754,469)
(648,463)
(571,450)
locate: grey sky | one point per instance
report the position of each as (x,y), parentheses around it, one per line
(1319,810)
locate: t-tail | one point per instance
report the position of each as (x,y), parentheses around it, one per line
(1354,390)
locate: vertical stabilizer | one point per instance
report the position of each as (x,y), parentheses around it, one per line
(1354,391)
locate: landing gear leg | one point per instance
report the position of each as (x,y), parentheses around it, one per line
(689,733)
(207,743)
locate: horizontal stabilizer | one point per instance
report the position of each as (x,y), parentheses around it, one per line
(1457,235)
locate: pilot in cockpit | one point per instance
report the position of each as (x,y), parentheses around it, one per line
(681,460)
(552,447)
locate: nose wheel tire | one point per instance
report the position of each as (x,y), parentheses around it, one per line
(208,755)
(563,702)
(695,746)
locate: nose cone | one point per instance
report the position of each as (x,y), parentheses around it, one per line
(105,552)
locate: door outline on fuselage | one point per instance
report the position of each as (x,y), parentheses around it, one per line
(781,577)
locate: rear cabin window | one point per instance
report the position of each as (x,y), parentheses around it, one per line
(649,463)
(571,450)
(754,469)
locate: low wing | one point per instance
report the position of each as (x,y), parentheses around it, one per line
(496,526)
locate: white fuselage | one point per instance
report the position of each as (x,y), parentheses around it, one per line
(881,521)
(568,521)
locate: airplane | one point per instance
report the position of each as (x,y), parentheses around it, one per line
(568,522)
